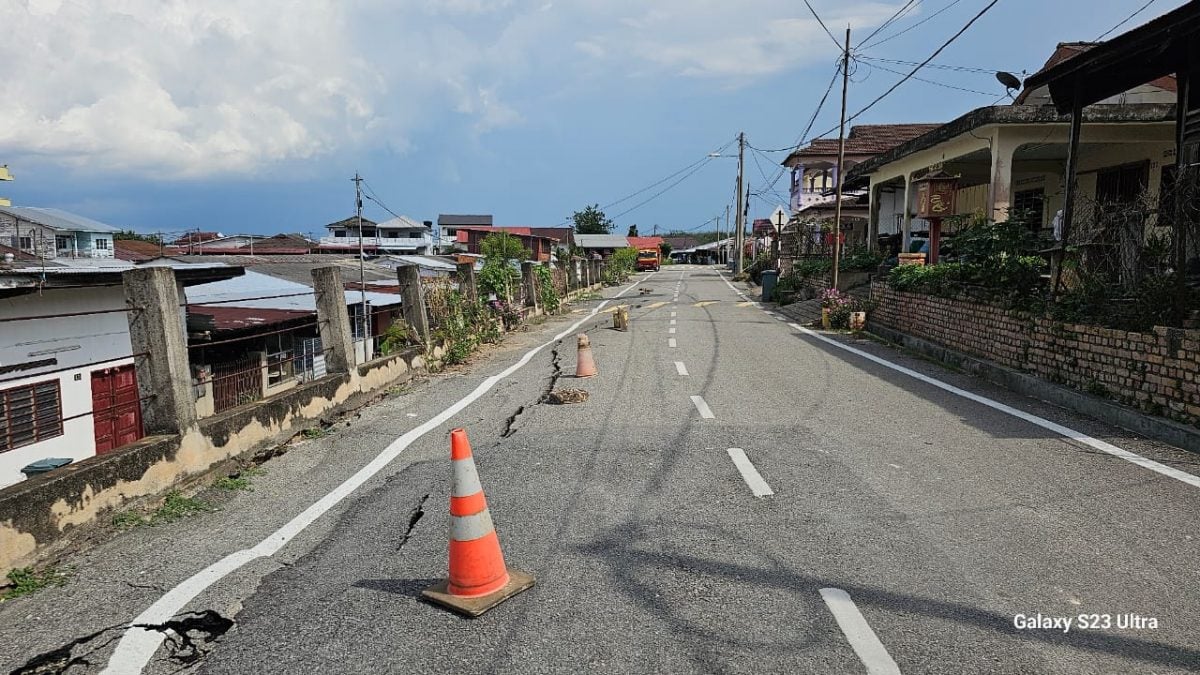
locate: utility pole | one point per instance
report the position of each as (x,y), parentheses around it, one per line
(837,209)
(362,272)
(739,220)
(721,247)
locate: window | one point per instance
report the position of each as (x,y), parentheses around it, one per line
(339,233)
(414,235)
(64,243)
(280,364)
(1027,208)
(101,244)
(25,243)
(29,413)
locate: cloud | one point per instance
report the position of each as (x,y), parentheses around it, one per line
(179,89)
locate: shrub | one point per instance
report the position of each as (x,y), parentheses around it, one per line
(397,336)
(549,297)
(859,258)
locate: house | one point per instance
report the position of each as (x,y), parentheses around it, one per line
(541,248)
(1150,64)
(645,242)
(197,237)
(398,235)
(68,388)
(136,250)
(1011,160)
(53,233)
(446,235)
(257,336)
(603,245)
(814,167)
(682,243)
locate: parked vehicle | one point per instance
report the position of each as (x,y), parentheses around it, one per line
(648,259)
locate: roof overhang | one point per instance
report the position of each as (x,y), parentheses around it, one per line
(1139,56)
(24,280)
(1139,113)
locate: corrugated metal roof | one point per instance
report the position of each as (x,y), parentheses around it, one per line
(601,241)
(298,268)
(402,222)
(249,291)
(57,219)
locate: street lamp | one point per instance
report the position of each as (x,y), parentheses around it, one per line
(778,219)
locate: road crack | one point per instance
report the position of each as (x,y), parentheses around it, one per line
(413,519)
(188,636)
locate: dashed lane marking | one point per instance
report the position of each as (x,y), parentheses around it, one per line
(671,331)
(750,474)
(858,633)
(671,343)
(701,406)
(681,369)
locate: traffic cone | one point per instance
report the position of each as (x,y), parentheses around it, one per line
(585,365)
(478,578)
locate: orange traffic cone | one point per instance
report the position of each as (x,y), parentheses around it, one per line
(585,365)
(478,579)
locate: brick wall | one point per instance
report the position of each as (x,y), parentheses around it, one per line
(1158,371)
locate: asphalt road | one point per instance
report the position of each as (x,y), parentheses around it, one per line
(786,505)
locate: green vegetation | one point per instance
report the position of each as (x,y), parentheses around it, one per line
(549,297)
(239,480)
(502,254)
(620,266)
(27,580)
(397,336)
(314,433)
(592,220)
(177,507)
(130,235)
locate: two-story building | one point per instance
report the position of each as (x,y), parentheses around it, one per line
(541,247)
(53,233)
(448,224)
(399,235)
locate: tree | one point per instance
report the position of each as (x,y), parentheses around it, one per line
(665,249)
(499,274)
(125,235)
(592,220)
(632,231)
(503,247)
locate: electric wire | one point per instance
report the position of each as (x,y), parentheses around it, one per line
(900,12)
(818,18)
(899,33)
(1125,20)
(933,82)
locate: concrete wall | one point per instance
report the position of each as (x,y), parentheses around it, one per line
(44,515)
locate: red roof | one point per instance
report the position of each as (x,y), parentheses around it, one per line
(518,231)
(17,253)
(197,237)
(135,250)
(237,318)
(645,242)
(865,139)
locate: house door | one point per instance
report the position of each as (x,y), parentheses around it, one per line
(116,408)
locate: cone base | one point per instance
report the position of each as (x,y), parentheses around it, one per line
(472,607)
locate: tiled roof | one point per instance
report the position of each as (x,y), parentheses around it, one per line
(135,250)
(864,139)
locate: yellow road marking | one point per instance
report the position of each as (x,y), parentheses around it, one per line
(705,303)
(655,305)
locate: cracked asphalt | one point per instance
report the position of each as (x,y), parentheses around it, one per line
(940,517)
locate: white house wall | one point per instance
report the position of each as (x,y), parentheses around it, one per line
(74,341)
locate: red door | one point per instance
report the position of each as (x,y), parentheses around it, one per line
(115,408)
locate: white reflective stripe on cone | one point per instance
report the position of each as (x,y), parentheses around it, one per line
(470,528)
(466,478)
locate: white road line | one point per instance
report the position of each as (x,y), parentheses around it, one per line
(858,633)
(138,645)
(705,411)
(1059,429)
(671,342)
(672,320)
(749,474)
(673,314)
(680,368)
(671,330)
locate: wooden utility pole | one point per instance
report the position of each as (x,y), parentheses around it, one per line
(362,273)
(837,209)
(740,223)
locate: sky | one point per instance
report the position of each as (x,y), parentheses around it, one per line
(253,116)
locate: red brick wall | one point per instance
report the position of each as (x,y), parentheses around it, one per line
(1158,372)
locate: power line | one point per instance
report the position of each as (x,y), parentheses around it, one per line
(664,190)
(818,18)
(655,184)
(939,66)
(1125,20)
(898,34)
(934,82)
(908,5)
(913,72)
(811,120)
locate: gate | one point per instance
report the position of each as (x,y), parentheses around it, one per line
(237,382)
(116,408)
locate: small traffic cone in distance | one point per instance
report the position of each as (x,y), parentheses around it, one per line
(479,579)
(585,365)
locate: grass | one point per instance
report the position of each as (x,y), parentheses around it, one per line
(314,433)
(239,480)
(26,580)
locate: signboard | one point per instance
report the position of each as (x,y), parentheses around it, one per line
(935,197)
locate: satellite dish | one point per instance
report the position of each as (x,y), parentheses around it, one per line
(1009,80)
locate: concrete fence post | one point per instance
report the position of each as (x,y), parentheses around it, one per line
(413,297)
(466,282)
(530,280)
(573,275)
(158,335)
(595,271)
(333,320)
